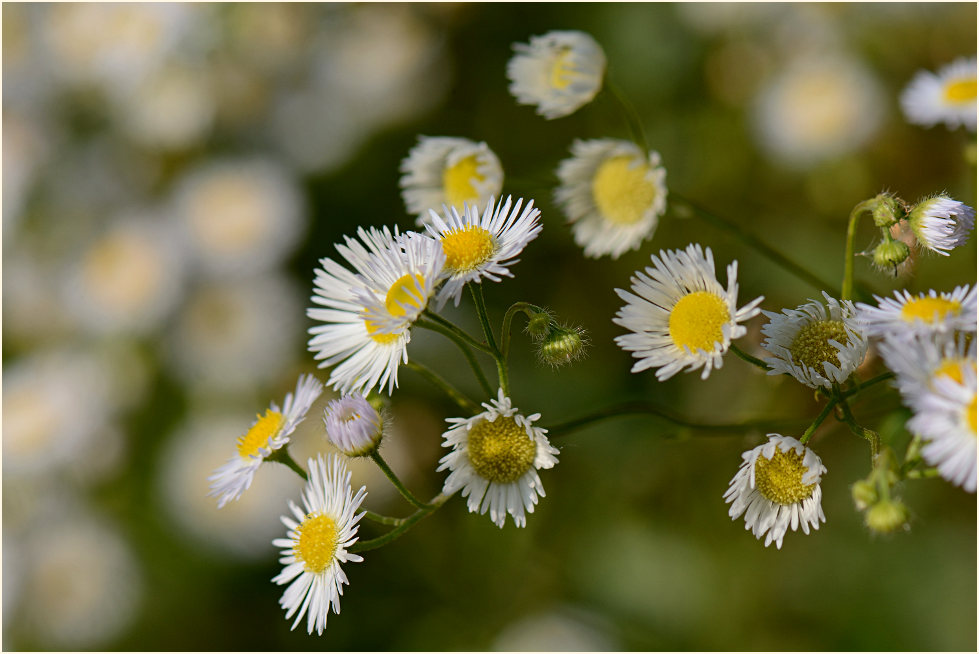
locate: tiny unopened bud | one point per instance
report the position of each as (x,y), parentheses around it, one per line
(888,255)
(887,517)
(886,211)
(864,494)
(562,345)
(539,325)
(353,426)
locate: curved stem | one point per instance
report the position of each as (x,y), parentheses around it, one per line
(282,456)
(528,309)
(818,421)
(755,361)
(383,519)
(861,386)
(631,117)
(501,367)
(851,232)
(470,357)
(404,525)
(754,242)
(448,326)
(457,396)
(405,493)
(869,434)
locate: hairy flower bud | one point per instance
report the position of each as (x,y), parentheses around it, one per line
(562,345)
(888,255)
(887,517)
(864,494)
(886,211)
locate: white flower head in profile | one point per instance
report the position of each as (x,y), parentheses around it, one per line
(557,72)
(353,426)
(948,96)
(941,224)
(679,314)
(612,194)
(777,487)
(448,171)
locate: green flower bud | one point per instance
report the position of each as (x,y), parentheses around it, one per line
(887,517)
(562,345)
(864,494)
(539,325)
(886,211)
(888,255)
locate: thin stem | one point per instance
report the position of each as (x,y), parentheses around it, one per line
(454,329)
(862,386)
(528,309)
(755,361)
(501,366)
(753,241)
(403,526)
(851,232)
(640,407)
(457,396)
(872,437)
(470,357)
(405,493)
(631,117)
(818,421)
(282,456)
(926,473)
(383,519)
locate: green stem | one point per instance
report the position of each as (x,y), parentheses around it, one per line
(404,525)
(755,361)
(753,241)
(528,309)
(383,519)
(862,386)
(470,357)
(282,456)
(453,329)
(851,233)
(818,421)
(631,117)
(926,473)
(405,493)
(501,368)
(872,437)
(640,407)
(457,396)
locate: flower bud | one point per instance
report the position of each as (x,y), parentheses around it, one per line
(864,494)
(353,426)
(886,210)
(888,255)
(562,345)
(941,223)
(539,325)
(887,517)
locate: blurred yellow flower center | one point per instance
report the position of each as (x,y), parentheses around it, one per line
(970,415)
(961,90)
(123,272)
(500,451)
(258,436)
(811,347)
(406,293)
(563,71)
(317,542)
(779,479)
(951,368)
(696,321)
(467,248)
(929,309)
(621,191)
(457,181)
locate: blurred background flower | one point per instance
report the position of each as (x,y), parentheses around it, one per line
(173,172)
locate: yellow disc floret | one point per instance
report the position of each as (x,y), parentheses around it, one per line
(970,415)
(811,348)
(468,248)
(258,436)
(563,71)
(929,309)
(500,451)
(961,90)
(317,542)
(696,321)
(779,479)
(406,293)
(457,181)
(621,191)
(952,368)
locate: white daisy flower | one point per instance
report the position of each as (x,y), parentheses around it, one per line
(612,194)
(494,460)
(919,359)
(367,314)
(448,171)
(816,346)
(777,487)
(926,313)
(478,248)
(318,537)
(946,418)
(353,426)
(558,72)
(681,317)
(267,434)
(941,223)
(948,96)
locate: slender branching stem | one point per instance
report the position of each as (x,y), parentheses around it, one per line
(462,343)
(851,233)
(454,394)
(403,525)
(516,307)
(282,456)
(501,366)
(818,421)
(847,417)
(405,493)
(755,361)
(631,117)
(383,519)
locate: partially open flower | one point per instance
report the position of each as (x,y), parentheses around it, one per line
(353,425)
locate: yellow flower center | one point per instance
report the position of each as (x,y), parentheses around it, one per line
(500,451)
(467,248)
(929,309)
(811,347)
(779,479)
(457,181)
(961,90)
(260,433)
(563,71)
(621,191)
(951,368)
(970,415)
(317,542)
(696,321)
(406,293)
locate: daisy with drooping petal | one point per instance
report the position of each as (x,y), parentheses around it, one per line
(777,487)
(680,315)
(318,538)
(941,223)
(946,419)
(558,72)
(448,171)
(353,425)
(918,360)
(612,194)
(478,248)
(494,460)
(367,315)
(267,434)
(931,312)
(948,96)
(815,345)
